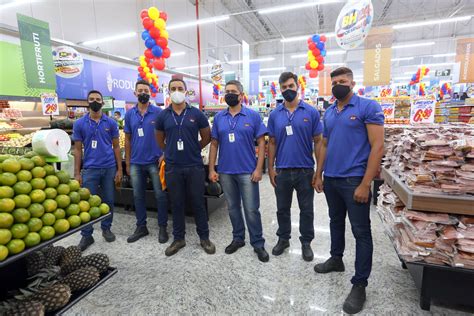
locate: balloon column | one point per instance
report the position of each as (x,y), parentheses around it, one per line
(273,89)
(245,99)
(216,76)
(155,37)
(445,89)
(386,92)
(419,75)
(216,88)
(361,91)
(422,89)
(302,84)
(316,54)
(261,96)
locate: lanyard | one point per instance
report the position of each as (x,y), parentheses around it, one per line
(232,123)
(142,117)
(96,128)
(290,116)
(176,122)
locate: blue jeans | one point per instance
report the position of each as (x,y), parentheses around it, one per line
(340,197)
(237,188)
(100,180)
(138,175)
(300,180)
(187,184)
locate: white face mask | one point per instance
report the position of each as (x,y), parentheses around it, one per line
(178,97)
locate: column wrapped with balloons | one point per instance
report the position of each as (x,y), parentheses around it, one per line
(155,38)
(316,54)
(419,75)
(445,89)
(302,84)
(273,89)
(217,80)
(422,89)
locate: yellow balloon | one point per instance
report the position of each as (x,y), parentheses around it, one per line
(314,64)
(164,33)
(146,69)
(150,80)
(153,13)
(311,58)
(143,63)
(310,53)
(142,58)
(148,75)
(160,24)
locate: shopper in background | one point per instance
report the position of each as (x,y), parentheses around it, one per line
(177,134)
(234,133)
(102,163)
(464,96)
(143,157)
(352,151)
(118,119)
(295,133)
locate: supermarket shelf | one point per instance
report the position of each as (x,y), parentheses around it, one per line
(429,202)
(75,298)
(51,241)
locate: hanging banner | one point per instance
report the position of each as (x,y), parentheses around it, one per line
(388,107)
(36,51)
(353,23)
(254,73)
(245,66)
(49,103)
(68,62)
(465,56)
(325,84)
(377,57)
(422,111)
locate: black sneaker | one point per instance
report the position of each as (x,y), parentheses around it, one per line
(86,242)
(208,247)
(354,302)
(175,247)
(234,246)
(163,235)
(262,254)
(280,247)
(108,235)
(140,232)
(333,264)
(307,252)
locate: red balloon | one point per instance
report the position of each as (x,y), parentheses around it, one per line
(162,42)
(163,15)
(147,60)
(307,66)
(310,40)
(159,64)
(147,23)
(153,94)
(316,52)
(166,52)
(427,70)
(148,53)
(323,38)
(313,73)
(142,74)
(320,67)
(312,46)
(154,32)
(320,59)
(144,13)
(140,69)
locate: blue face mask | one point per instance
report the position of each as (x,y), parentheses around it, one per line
(289,95)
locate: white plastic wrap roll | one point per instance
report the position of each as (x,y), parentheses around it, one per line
(52,143)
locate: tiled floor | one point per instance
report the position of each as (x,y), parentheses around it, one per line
(194,282)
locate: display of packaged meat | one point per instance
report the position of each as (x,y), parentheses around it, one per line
(440,218)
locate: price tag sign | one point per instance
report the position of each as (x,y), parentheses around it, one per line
(422,111)
(49,102)
(388,107)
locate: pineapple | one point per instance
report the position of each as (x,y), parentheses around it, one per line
(52,255)
(69,255)
(81,279)
(97,260)
(53,297)
(23,308)
(35,262)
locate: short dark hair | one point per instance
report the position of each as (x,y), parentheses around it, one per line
(342,71)
(144,82)
(95,91)
(284,77)
(236,83)
(118,112)
(177,80)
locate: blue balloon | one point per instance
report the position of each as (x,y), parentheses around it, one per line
(320,46)
(145,35)
(315,38)
(157,51)
(149,43)
(323,53)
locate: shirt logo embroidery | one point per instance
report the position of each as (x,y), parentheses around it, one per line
(247,124)
(152,122)
(191,120)
(305,120)
(353,117)
(107,129)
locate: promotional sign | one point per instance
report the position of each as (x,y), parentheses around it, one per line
(443,73)
(49,103)
(254,74)
(377,57)
(465,56)
(36,52)
(68,62)
(325,85)
(422,111)
(353,23)
(388,107)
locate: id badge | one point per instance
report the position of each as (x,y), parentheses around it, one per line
(94,144)
(180,145)
(289,130)
(140,132)
(231,137)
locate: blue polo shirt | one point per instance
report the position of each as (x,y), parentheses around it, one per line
(186,127)
(87,130)
(145,149)
(295,151)
(348,146)
(239,156)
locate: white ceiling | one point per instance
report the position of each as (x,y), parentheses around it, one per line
(82,20)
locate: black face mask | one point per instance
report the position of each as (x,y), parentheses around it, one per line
(340,91)
(289,95)
(143,98)
(232,99)
(95,106)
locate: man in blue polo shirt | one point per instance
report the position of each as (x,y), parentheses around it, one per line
(295,130)
(177,131)
(352,150)
(234,132)
(143,156)
(102,164)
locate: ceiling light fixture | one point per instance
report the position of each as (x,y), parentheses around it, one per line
(198,22)
(329,53)
(109,39)
(413,45)
(235,62)
(192,67)
(431,22)
(444,55)
(329,64)
(178,54)
(13,4)
(403,58)
(295,6)
(303,38)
